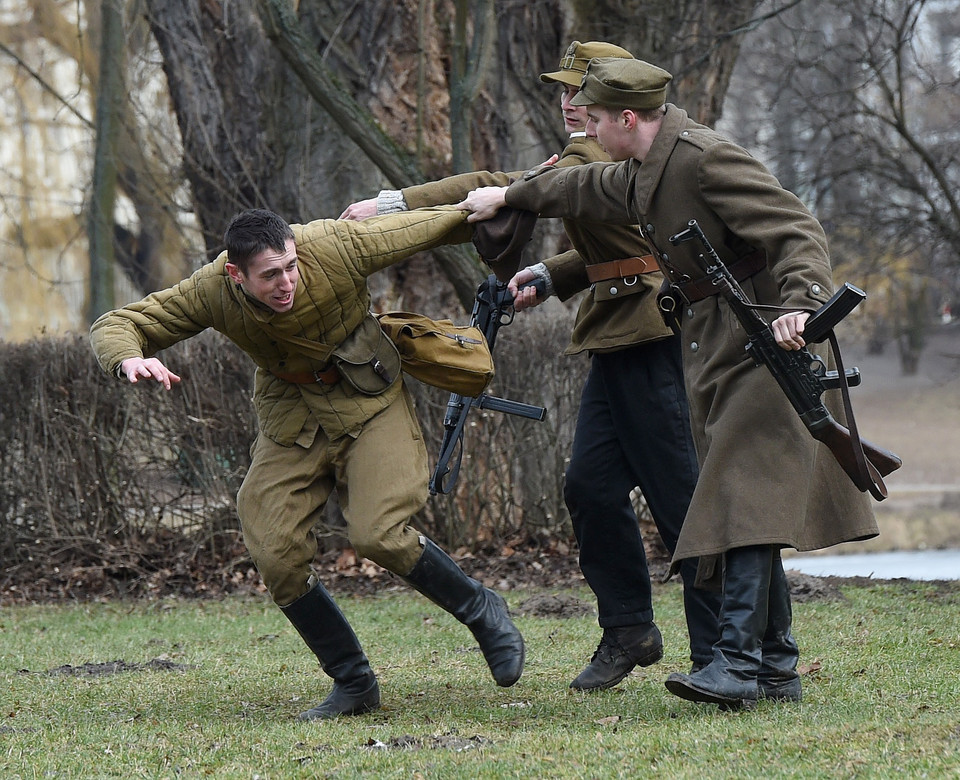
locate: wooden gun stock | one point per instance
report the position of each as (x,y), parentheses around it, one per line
(880,462)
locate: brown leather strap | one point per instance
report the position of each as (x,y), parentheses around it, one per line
(328,377)
(741,268)
(621,269)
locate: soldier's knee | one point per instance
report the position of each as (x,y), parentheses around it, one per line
(578,485)
(396,549)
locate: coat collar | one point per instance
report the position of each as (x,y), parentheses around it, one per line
(651,169)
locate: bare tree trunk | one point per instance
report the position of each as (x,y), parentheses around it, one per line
(103,193)
(287,34)
(697,41)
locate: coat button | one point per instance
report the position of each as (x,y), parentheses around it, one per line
(689,313)
(614,291)
(694,346)
(815,289)
(650,228)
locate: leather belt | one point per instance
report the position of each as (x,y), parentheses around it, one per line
(621,269)
(327,377)
(741,268)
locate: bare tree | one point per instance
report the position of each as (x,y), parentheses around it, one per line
(103,193)
(857,109)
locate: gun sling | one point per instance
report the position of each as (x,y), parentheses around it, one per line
(741,268)
(621,269)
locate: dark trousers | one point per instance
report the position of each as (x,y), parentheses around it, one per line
(633,430)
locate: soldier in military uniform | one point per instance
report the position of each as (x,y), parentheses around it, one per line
(332,411)
(619,443)
(764,483)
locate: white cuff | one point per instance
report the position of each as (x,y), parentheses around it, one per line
(541,272)
(390,202)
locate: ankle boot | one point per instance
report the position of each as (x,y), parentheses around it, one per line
(438,577)
(327,633)
(730,679)
(619,651)
(778,679)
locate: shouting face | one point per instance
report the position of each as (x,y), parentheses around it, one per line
(271,277)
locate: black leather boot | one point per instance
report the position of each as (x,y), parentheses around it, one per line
(701,607)
(778,679)
(437,576)
(327,633)
(730,679)
(619,651)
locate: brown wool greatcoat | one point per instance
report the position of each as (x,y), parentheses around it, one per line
(763,479)
(613,315)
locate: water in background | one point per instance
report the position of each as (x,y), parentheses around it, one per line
(910,564)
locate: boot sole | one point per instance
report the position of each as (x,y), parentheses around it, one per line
(316,714)
(685,690)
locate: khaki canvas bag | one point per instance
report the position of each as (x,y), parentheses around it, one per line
(439,353)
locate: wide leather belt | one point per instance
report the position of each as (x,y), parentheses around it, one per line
(328,377)
(741,268)
(621,269)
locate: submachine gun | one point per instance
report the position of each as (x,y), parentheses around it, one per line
(492,309)
(803,376)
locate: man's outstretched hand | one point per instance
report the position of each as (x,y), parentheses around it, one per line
(361,210)
(135,369)
(483,203)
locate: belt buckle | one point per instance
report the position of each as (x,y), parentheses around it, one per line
(678,288)
(318,378)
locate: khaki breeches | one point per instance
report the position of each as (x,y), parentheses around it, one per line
(381,479)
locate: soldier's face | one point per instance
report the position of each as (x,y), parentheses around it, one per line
(574,117)
(610,131)
(271,277)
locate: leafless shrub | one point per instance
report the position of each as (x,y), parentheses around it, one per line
(119,483)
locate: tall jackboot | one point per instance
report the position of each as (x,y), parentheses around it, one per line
(730,679)
(701,607)
(437,576)
(778,679)
(327,633)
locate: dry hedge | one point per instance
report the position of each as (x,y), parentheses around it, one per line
(109,489)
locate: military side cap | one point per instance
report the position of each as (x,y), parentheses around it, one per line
(578,55)
(500,240)
(619,83)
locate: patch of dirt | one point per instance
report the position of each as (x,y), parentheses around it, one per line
(803,587)
(111,667)
(554,605)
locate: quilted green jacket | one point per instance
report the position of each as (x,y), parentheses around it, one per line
(335,257)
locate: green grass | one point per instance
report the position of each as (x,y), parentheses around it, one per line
(881,696)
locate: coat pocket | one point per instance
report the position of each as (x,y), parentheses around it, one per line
(367,360)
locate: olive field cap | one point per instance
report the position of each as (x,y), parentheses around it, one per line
(620,83)
(574,62)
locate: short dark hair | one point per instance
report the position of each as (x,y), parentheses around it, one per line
(251,232)
(643,114)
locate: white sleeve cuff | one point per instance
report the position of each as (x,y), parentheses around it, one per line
(390,202)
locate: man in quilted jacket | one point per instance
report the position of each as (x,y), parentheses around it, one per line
(333,413)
